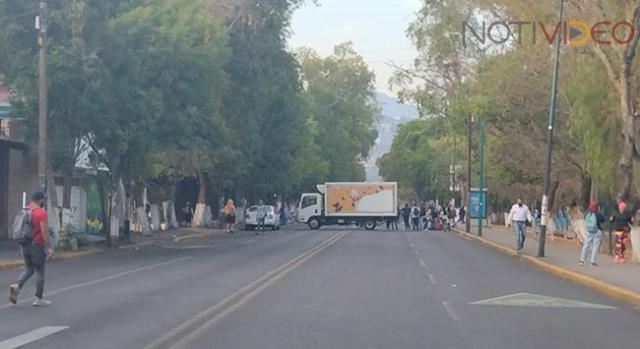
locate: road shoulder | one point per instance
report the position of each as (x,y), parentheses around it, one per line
(624,293)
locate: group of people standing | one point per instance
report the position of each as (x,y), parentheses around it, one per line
(593,220)
(427,217)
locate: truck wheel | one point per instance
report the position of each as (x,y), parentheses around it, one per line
(314,223)
(370,225)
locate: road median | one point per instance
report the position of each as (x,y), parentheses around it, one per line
(621,293)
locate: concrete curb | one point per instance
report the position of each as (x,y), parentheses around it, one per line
(13,264)
(197,235)
(135,246)
(608,289)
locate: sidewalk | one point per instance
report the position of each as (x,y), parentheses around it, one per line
(10,257)
(561,258)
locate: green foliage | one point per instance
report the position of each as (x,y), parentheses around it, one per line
(163,88)
(419,159)
(339,90)
(594,121)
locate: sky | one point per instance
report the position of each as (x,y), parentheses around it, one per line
(376,28)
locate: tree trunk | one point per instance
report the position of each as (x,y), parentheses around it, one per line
(202,188)
(625,168)
(585,190)
(200,214)
(552,194)
(627,109)
(106,225)
(594,197)
(67,182)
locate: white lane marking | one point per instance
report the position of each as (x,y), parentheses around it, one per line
(30,337)
(452,314)
(249,242)
(416,252)
(185,333)
(432,279)
(423,263)
(107,278)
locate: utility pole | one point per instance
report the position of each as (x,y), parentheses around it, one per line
(549,150)
(468,189)
(41,26)
(481,208)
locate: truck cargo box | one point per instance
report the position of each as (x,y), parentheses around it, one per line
(361,199)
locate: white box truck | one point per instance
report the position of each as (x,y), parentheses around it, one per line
(365,204)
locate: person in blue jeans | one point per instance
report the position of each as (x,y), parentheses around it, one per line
(519,216)
(261,216)
(593,221)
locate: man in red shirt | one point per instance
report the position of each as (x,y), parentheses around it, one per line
(36,253)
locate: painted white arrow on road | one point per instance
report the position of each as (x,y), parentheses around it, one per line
(30,337)
(535,300)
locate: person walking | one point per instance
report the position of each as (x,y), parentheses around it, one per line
(462,213)
(415,217)
(621,223)
(451,217)
(394,225)
(406,214)
(423,217)
(593,225)
(261,216)
(229,211)
(519,216)
(35,250)
(284,217)
(188,214)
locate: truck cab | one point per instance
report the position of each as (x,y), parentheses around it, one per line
(311,205)
(360,203)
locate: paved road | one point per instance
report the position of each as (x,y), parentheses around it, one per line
(324,289)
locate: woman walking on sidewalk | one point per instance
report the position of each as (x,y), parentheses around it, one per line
(229,216)
(593,224)
(621,222)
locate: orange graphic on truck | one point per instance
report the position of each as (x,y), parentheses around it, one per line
(345,199)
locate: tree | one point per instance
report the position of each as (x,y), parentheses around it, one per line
(340,90)
(418,160)
(619,63)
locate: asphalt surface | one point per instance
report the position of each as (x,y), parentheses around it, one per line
(333,288)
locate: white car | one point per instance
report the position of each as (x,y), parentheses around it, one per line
(272,221)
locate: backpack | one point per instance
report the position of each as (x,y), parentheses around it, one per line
(22,230)
(591,221)
(416,212)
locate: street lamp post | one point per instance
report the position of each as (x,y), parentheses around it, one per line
(549,150)
(42,102)
(481,207)
(468,189)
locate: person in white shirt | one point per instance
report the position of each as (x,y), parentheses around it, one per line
(519,216)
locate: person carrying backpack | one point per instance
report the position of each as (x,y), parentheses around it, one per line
(593,220)
(31,232)
(415,217)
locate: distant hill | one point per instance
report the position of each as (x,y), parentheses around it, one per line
(392,114)
(393,109)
